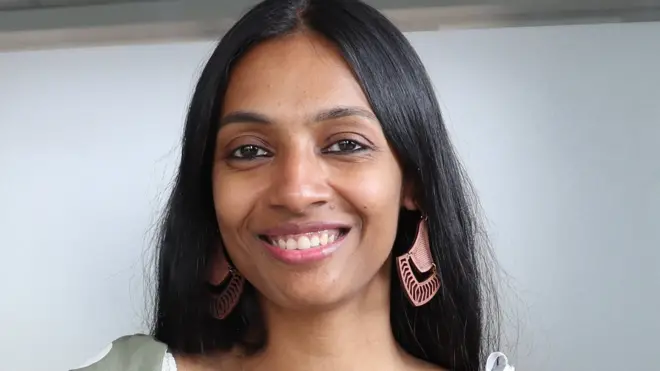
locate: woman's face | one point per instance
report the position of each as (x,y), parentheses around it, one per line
(306,189)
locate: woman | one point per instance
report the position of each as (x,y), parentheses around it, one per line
(320,219)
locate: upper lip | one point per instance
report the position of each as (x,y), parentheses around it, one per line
(300,228)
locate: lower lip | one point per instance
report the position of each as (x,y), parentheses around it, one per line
(311,255)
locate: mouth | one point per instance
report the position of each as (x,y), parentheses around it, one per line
(305,241)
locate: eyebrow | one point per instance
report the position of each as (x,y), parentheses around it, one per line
(325,115)
(340,112)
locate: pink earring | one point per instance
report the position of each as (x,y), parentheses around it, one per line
(224,273)
(419,256)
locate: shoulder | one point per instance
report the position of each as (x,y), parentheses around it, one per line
(128,353)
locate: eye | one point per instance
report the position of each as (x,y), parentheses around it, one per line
(248,152)
(345,146)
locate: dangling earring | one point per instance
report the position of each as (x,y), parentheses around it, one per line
(224,273)
(419,293)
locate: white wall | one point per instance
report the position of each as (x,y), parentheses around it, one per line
(559,126)
(88,144)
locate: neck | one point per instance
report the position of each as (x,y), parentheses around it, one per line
(356,335)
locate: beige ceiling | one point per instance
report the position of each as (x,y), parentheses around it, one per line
(6,5)
(55,23)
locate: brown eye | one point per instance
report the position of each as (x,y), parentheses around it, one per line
(345,146)
(248,152)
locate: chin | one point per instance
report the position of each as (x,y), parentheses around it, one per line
(297,296)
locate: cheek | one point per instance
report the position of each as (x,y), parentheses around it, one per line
(232,199)
(380,185)
(375,196)
(375,193)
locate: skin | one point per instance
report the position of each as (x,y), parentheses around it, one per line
(315,152)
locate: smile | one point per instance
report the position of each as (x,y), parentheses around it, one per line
(299,244)
(306,240)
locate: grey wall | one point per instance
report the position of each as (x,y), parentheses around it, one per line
(559,128)
(88,144)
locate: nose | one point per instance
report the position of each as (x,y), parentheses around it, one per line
(299,182)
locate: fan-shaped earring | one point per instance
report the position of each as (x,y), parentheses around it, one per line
(419,256)
(225,274)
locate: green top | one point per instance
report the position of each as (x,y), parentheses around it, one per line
(131,353)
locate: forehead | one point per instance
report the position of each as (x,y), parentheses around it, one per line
(291,76)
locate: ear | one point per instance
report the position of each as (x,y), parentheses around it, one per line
(408,200)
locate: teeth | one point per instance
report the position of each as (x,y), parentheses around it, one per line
(291,244)
(306,241)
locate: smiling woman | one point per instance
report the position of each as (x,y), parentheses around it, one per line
(320,219)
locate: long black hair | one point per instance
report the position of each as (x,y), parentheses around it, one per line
(455,329)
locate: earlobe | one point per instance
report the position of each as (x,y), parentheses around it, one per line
(408,201)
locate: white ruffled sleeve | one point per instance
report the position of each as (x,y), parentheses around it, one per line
(169,364)
(497,361)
